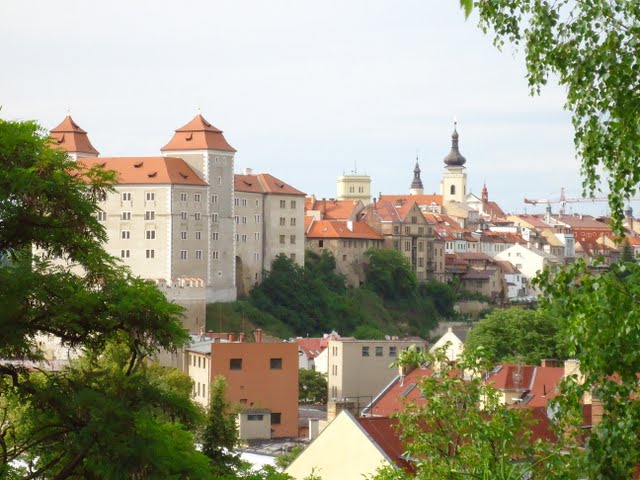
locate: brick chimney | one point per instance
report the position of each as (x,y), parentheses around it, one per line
(232,337)
(258,335)
(241,338)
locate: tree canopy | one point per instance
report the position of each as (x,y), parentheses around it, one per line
(517,335)
(389,274)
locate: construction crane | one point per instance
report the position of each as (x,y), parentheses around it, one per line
(563,200)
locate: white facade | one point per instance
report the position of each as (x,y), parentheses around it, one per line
(528,261)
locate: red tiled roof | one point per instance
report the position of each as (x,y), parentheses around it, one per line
(384,432)
(583,222)
(332,209)
(68,136)
(263,183)
(475,256)
(312,347)
(493,209)
(339,229)
(533,220)
(198,134)
(148,170)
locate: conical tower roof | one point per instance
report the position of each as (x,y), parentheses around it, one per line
(68,136)
(454,158)
(198,134)
(417,181)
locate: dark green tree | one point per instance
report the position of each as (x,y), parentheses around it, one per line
(312,386)
(389,274)
(517,335)
(220,434)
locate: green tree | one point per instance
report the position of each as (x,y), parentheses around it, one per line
(285,459)
(591,48)
(389,274)
(312,386)
(107,415)
(515,334)
(602,320)
(220,434)
(464,430)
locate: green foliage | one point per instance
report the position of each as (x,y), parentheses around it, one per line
(602,321)
(591,48)
(285,459)
(109,415)
(220,434)
(389,274)
(463,430)
(516,335)
(367,332)
(443,295)
(312,386)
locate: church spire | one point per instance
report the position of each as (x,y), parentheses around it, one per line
(416,184)
(454,158)
(485,193)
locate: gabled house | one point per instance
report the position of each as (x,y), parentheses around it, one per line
(529,261)
(454,337)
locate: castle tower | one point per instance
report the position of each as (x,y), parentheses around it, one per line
(205,149)
(453,185)
(354,187)
(68,136)
(416,184)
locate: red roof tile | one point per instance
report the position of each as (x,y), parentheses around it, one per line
(68,136)
(263,183)
(340,229)
(384,432)
(148,170)
(198,134)
(332,209)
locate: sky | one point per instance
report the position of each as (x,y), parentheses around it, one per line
(306,91)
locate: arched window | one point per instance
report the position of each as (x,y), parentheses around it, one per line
(452,190)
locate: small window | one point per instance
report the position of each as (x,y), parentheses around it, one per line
(196,197)
(283,221)
(321,243)
(102,216)
(183,215)
(198,216)
(379,352)
(214,217)
(198,235)
(393,351)
(244,238)
(183,254)
(151,196)
(125,253)
(293,204)
(283,204)
(365,351)
(125,234)
(276,364)
(215,235)
(150,234)
(148,215)
(244,220)
(237,218)
(282,237)
(292,239)
(215,255)
(255,418)
(293,222)
(276,418)
(126,215)
(293,257)
(183,235)
(183,197)
(198,254)
(150,253)
(235,364)
(244,202)
(126,197)
(214,198)
(256,218)
(236,202)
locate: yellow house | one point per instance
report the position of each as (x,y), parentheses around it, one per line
(350,448)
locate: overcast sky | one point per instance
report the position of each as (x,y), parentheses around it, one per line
(303,90)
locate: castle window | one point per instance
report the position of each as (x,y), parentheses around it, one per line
(452,190)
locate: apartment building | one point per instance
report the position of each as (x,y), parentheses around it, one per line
(359,369)
(269,221)
(262,379)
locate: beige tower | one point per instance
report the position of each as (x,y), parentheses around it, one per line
(354,187)
(205,149)
(453,185)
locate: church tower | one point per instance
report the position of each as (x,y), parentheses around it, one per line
(205,149)
(354,186)
(416,184)
(453,186)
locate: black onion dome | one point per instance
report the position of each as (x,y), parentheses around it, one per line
(454,158)
(417,182)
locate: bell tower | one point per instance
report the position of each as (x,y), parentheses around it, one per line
(453,186)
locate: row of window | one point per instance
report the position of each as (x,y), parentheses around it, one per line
(256,219)
(283,204)
(151,196)
(184,254)
(292,239)
(408,230)
(238,201)
(276,418)
(379,351)
(151,215)
(236,364)
(283,222)
(243,237)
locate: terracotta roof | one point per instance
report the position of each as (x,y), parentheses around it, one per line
(506,267)
(582,222)
(148,170)
(384,432)
(263,183)
(339,229)
(312,347)
(493,209)
(68,136)
(475,256)
(531,220)
(332,209)
(198,134)
(421,200)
